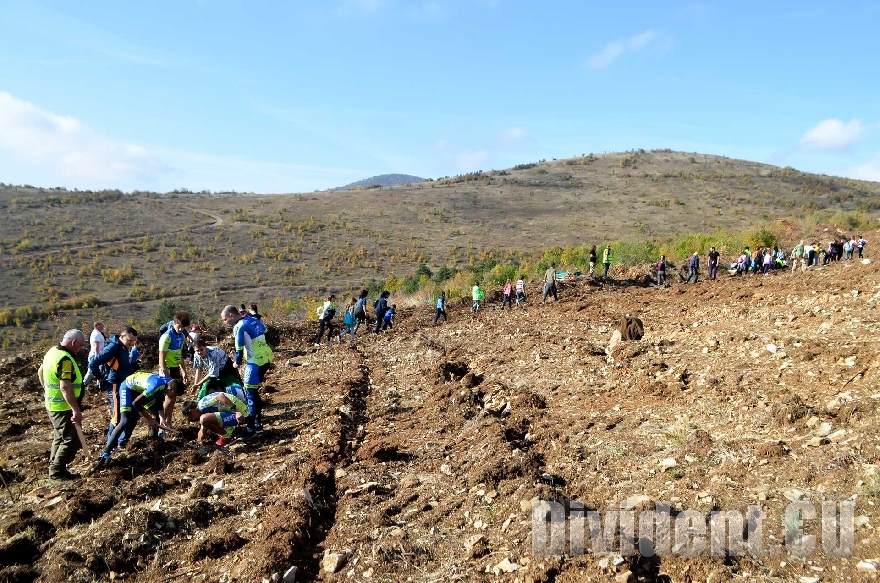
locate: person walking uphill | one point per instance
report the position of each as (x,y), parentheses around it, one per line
(325,319)
(606,260)
(506,294)
(693,268)
(550,284)
(379,308)
(62,384)
(441,308)
(477,295)
(661,271)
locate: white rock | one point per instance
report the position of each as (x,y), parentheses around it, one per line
(850,361)
(332,562)
(868,565)
(866,262)
(289,576)
(793,495)
(771,348)
(615,340)
(824,429)
(861,521)
(668,463)
(505,566)
(805,579)
(837,436)
(220,486)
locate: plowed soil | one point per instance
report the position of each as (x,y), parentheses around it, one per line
(418,454)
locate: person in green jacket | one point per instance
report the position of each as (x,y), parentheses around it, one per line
(478,295)
(606,260)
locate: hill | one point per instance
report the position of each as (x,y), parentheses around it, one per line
(382,180)
(72,257)
(434,453)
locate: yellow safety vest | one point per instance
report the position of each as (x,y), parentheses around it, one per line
(52,382)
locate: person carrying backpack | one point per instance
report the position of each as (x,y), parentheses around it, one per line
(388,318)
(349,322)
(325,319)
(661,271)
(380,306)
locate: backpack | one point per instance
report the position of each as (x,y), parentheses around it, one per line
(329,313)
(165,327)
(320,312)
(661,266)
(349,318)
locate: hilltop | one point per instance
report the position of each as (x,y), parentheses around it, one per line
(382,180)
(420,454)
(71,257)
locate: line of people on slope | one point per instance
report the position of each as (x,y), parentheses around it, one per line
(233,385)
(354,317)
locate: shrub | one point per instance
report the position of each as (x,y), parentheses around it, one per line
(444,274)
(761,238)
(166,312)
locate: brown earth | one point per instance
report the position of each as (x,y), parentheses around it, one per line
(417,455)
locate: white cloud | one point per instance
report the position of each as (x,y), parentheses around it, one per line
(833,134)
(471,160)
(615,49)
(441,145)
(868,171)
(513,135)
(62,148)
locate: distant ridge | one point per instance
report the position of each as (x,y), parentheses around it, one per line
(382,180)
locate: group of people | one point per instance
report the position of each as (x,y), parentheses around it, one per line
(228,388)
(767,259)
(354,317)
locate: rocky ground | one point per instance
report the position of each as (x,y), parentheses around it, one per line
(420,454)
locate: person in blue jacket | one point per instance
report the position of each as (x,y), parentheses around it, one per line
(112,366)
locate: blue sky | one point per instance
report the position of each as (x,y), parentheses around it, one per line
(299,96)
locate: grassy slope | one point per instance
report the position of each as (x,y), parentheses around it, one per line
(128,252)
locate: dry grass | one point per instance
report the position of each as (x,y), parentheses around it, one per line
(66,252)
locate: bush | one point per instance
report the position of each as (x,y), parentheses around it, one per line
(166,312)
(444,274)
(761,238)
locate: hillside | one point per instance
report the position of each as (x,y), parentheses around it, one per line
(421,454)
(71,257)
(382,180)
